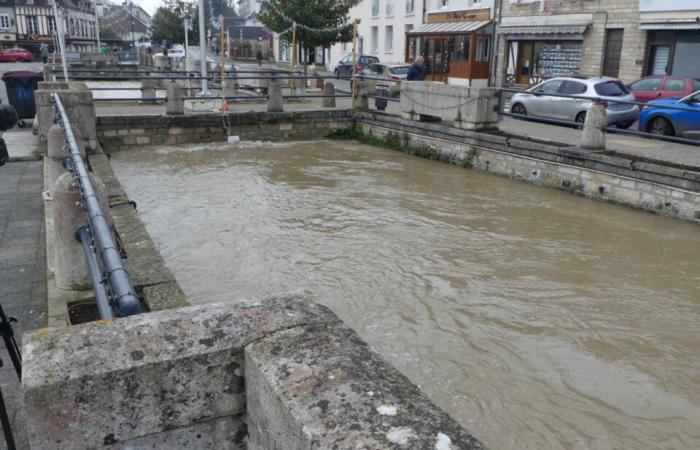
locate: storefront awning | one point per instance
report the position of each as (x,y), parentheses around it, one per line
(670,26)
(555,26)
(562,31)
(450,27)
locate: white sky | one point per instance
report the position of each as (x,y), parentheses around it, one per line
(149,5)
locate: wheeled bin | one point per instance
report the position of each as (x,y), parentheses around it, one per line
(20,86)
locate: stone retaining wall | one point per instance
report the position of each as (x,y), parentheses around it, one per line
(124,132)
(279,374)
(662,189)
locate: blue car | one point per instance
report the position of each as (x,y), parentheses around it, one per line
(657,118)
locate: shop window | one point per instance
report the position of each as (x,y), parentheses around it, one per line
(460,50)
(482,48)
(685,56)
(674,84)
(557,59)
(411,48)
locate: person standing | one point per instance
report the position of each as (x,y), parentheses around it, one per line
(417,71)
(44,51)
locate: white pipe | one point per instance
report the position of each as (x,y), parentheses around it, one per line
(202,49)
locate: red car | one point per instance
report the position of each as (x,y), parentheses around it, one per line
(656,87)
(15,55)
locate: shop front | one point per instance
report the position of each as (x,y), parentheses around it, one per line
(673,51)
(454,45)
(537,48)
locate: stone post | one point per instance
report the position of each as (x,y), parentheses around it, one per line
(175,105)
(364,88)
(148,90)
(275,102)
(69,265)
(263,82)
(328,89)
(593,136)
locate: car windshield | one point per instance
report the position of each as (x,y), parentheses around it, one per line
(403,70)
(611,89)
(372,59)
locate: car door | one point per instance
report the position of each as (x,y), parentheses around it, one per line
(542,104)
(646,89)
(673,87)
(344,66)
(688,122)
(568,108)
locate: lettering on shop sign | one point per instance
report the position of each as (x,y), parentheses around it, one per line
(460,16)
(34,37)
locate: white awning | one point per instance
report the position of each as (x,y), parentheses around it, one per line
(450,27)
(670,26)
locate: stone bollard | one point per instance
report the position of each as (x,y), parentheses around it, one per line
(175,105)
(148,90)
(57,153)
(275,101)
(69,265)
(328,89)
(593,136)
(363,88)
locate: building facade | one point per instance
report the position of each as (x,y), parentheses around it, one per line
(672,31)
(8,28)
(540,39)
(35,24)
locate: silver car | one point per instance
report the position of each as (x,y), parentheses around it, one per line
(536,102)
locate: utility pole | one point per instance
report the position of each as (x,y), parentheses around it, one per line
(97,26)
(355,23)
(203,49)
(61,38)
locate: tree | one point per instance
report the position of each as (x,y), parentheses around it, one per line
(108,33)
(168,21)
(320,23)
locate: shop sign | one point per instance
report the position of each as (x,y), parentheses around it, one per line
(34,37)
(460,16)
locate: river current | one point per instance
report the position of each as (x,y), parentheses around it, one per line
(536,318)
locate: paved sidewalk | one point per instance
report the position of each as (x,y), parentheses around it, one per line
(22,145)
(22,269)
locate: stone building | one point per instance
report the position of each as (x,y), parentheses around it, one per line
(8,29)
(539,39)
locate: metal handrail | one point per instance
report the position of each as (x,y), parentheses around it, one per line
(121,293)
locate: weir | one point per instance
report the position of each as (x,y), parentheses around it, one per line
(277,371)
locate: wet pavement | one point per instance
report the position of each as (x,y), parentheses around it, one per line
(536,318)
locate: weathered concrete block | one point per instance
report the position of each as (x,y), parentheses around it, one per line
(275,102)
(175,104)
(322,387)
(148,90)
(468,108)
(328,89)
(108,382)
(593,135)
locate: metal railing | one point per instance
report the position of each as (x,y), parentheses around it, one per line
(500,109)
(114,292)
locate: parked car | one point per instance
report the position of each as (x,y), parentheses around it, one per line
(657,118)
(176,53)
(536,102)
(15,55)
(395,72)
(344,67)
(655,87)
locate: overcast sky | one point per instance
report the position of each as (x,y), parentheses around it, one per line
(149,5)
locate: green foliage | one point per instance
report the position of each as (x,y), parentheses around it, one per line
(108,33)
(317,14)
(168,21)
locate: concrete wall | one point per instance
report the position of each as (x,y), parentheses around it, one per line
(606,14)
(123,132)
(651,187)
(278,374)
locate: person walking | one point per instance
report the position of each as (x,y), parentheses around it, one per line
(417,71)
(44,51)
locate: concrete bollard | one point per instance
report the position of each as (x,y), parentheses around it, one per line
(593,136)
(328,89)
(275,101)
(57,153)
(70,270)
(148,90)
(363,88)
(175,105)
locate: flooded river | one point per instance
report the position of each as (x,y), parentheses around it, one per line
(536,318)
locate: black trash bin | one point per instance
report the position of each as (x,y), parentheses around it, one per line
(20,85)
(381,91)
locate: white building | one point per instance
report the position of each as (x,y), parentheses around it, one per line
(382,30)
(248,9)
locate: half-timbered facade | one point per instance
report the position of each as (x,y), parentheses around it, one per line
(36,24)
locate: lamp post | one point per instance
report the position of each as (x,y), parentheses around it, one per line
(202,49)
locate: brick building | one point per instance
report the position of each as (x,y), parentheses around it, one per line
(538,39)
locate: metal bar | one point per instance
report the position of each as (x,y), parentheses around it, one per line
(122,291)
(84,236)
(8,336)
(214,78)
(5,420)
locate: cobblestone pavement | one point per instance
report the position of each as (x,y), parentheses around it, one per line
(22,269)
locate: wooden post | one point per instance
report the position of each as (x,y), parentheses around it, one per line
(354,59)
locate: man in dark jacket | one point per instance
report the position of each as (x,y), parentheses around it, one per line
(416,72)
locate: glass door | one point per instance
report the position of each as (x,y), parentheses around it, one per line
(524,66)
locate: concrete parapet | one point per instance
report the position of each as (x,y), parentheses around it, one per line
(275,101)
(175,105)
(146,379)
(593,135)
(328,89)
(469,108)
(148,90)
(363,89)
(78,103)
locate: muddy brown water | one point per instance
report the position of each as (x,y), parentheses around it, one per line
(536,318)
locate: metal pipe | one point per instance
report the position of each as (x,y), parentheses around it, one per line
(122,291)
(84,236)
(202,49)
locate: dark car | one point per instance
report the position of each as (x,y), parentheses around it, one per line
(655,87)
(344,67)
(15,55)
(657,118)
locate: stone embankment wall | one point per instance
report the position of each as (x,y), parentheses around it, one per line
(124,132)
(662,189)
(278,374)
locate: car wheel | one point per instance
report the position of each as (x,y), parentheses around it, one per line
(662,126)
(580,117)
(518,109)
